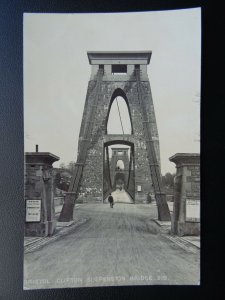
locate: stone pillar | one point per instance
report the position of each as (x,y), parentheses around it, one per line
(39,194)
(186,208)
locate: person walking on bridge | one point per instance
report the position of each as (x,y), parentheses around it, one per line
(110,199)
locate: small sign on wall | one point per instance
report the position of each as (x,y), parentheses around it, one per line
(193,210)
(33,210)
(139,188)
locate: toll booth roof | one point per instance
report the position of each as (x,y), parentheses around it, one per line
(40,157)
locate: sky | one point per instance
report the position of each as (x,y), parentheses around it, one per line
(57,71)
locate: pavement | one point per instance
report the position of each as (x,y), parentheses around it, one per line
(194,240)
(112,246)
(34,243)
(166,226)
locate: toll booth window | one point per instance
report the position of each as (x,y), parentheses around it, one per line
(119,69)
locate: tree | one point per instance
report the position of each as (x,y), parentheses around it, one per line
(57,179)
(63,176)
(62,166)
(71,167)
(168,180)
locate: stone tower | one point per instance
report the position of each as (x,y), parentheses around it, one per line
(116,74)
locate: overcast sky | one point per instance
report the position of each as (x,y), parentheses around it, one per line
(56,74)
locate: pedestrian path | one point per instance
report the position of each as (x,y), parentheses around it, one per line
(185,242)
(33,243)
(194,240)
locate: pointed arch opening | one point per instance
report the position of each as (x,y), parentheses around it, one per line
(118,120)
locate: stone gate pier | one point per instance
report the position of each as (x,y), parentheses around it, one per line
(39,194)
(186,209)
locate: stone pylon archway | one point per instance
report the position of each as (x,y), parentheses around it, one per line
(117,74)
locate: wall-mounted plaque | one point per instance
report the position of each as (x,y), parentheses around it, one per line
(33,210)
(193,210)
(139,188)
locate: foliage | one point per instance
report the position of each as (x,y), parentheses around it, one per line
(168,180)
(63,175)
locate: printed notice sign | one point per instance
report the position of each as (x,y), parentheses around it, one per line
(33,210)
(139,188)
(193,210)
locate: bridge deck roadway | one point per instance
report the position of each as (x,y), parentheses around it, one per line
(116,246)
(121,197)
